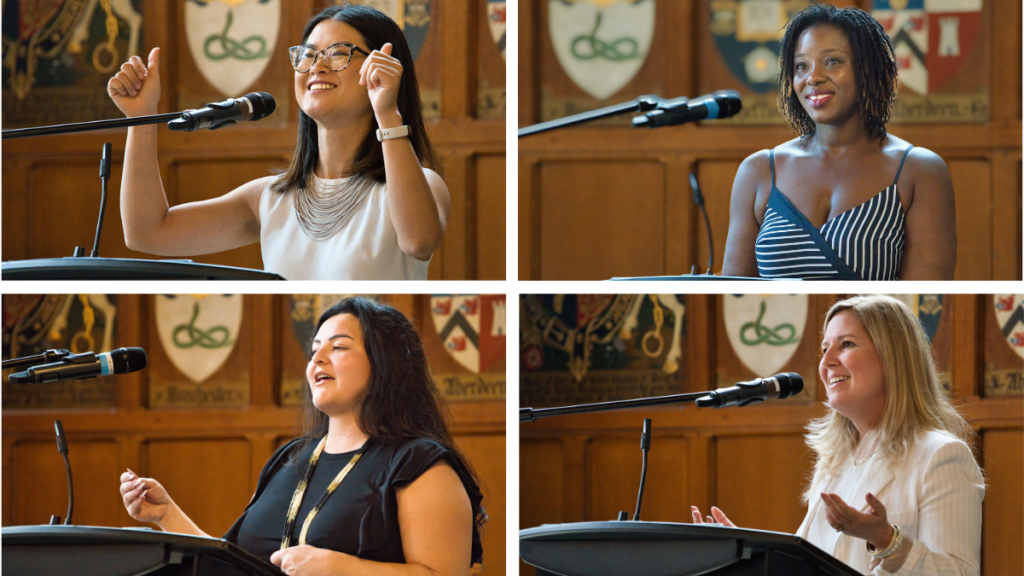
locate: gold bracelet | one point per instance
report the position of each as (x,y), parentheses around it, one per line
(894,545)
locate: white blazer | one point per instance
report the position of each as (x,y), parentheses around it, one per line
(934,495)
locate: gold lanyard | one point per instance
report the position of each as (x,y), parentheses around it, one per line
(300,491)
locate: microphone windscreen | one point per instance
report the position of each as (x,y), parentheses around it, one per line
(263,104)
(790,384)
(128,360)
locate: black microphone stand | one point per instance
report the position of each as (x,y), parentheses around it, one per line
(644,103)
(50,356)
(529,414)
(94,125)
(62,447)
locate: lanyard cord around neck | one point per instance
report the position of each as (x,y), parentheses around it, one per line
(300,491)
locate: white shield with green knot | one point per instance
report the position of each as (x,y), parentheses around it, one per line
(601,44)
(231,41)
(765,329)
(198,332)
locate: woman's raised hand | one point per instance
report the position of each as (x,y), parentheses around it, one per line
(719,516)
(382,75)
(145,499)
(136,88)
(873,526)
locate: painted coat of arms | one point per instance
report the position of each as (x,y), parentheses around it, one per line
(412,16)
(931,38)
(231,40)
(496,22)
(198,332)
(1009,310)
(472,328)
(601,44)
(765,330)
(748,35)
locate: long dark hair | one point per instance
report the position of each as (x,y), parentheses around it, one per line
(401,401)
(873,61)
(377,29)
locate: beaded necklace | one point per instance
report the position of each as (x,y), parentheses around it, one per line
(300,491)
(323,208)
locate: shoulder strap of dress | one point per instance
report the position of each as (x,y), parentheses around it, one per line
(901,165)
(771,159)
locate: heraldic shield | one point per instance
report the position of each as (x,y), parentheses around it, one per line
(1010,315)
(931,39)
(198,332)
(765,330)
(601,44)
(472,328)
(231,40)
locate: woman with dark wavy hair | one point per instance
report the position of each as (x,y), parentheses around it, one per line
(359,201)
(811,208)
(375,484)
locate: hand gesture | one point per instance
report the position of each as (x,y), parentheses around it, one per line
(136,88)
(719,516)
(298,560)
(873,526)
(382,75)
(145,499)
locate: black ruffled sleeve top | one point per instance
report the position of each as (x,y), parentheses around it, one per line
(361,517)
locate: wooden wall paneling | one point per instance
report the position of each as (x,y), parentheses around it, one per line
(458,65)
(682,221)
(490,217)
(459,241)
(679,50)
(972,185)
(783,459)
(1001,366)
(487,453)
(1006,216)
(542,476)
(261,447)
(131,310)
(1004,500)
(209,478)
(266,363)
(529,218)
(74,187)
(703,479)
(529,68)
(701,329)
(715,180)
(490,80)
(967,351)
(602,218)
(1006,66)
(16,201)
(40,482)
(578,487)
(614,471)
(9,442)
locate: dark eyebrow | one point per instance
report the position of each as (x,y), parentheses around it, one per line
(313,46)
(823,52)
(317,341)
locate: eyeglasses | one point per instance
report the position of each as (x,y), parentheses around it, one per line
(336,56)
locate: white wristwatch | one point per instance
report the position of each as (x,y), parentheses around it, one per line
(389,133)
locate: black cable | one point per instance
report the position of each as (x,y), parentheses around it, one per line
(71,490)
(640,496)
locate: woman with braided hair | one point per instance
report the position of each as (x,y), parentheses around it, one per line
(811,207)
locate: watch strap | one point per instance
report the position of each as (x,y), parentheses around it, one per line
(389,133)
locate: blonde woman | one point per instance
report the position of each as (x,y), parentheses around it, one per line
(896,489)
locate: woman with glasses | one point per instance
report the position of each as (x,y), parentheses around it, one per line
(359,199)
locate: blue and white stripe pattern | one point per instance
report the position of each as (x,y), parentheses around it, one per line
(868,238)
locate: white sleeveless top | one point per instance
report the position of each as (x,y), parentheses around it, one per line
(365,249)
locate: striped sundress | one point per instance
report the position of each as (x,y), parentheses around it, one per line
(863,243)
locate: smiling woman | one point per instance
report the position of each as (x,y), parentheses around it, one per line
(812,208)
(896,488)
(360,199)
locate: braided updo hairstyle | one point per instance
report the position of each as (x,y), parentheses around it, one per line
(873,59)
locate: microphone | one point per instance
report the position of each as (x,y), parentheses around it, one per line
(62,447)
(758,390)
(85,365)
(253,106)
(718,104)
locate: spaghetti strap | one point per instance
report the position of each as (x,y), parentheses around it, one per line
(901,165)
(771,158)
